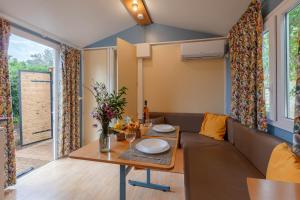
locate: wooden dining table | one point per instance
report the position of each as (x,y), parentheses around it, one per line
(262,189)
(91,152)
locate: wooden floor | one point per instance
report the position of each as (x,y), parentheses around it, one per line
(84,180)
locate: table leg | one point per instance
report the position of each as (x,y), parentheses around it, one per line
(123,173)
(148,183)
(122,182)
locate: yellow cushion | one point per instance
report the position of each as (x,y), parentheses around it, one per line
(284,165)
(214,126)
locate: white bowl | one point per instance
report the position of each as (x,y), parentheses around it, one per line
(152,146)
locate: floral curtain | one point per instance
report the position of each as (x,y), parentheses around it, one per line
(245,41)
(6,106)
(69,116)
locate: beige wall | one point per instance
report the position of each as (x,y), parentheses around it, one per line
(173,85)
(95,69)
(170,84)
(127,74)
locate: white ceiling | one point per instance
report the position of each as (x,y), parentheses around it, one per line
(81,22)
(212,16)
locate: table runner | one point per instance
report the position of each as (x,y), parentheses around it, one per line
(161,159)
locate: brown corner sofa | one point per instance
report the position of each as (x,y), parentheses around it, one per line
(218,170)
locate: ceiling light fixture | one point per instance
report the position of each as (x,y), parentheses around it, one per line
(140,16)
(138,10)
(135,5)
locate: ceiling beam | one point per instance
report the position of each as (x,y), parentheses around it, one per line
(141,15)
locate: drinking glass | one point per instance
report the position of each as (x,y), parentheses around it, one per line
(130,137)
(148,123)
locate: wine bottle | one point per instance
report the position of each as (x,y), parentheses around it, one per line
(146,112)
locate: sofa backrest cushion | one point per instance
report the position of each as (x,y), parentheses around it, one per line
(214,126)
(256,146)
(188,122)
(230,129)
(158,120)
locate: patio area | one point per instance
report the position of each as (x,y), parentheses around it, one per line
(33,156)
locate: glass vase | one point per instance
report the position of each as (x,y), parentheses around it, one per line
(104,139)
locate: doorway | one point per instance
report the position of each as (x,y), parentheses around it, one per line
(31,70)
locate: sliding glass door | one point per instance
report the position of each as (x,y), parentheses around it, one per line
(33,71)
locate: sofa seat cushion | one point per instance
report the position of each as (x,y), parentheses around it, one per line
(214,172)
(188,137)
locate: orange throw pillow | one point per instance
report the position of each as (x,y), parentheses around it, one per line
(283,165)
(214,126)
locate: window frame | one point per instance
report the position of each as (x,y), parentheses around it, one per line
(269,26)
(276,24)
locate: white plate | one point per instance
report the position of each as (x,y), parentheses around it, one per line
(163,128)
(152,146)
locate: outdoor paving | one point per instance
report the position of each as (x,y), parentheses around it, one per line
(35,155)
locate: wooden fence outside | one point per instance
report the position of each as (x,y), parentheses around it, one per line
(35,95)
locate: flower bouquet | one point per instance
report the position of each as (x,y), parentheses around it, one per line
(109,106)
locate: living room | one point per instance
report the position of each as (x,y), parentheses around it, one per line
(144,99)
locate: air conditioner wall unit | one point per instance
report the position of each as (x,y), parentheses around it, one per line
(203,49)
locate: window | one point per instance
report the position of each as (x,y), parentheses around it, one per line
(279,61)
(269,66)
(266,65)
(292,29)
